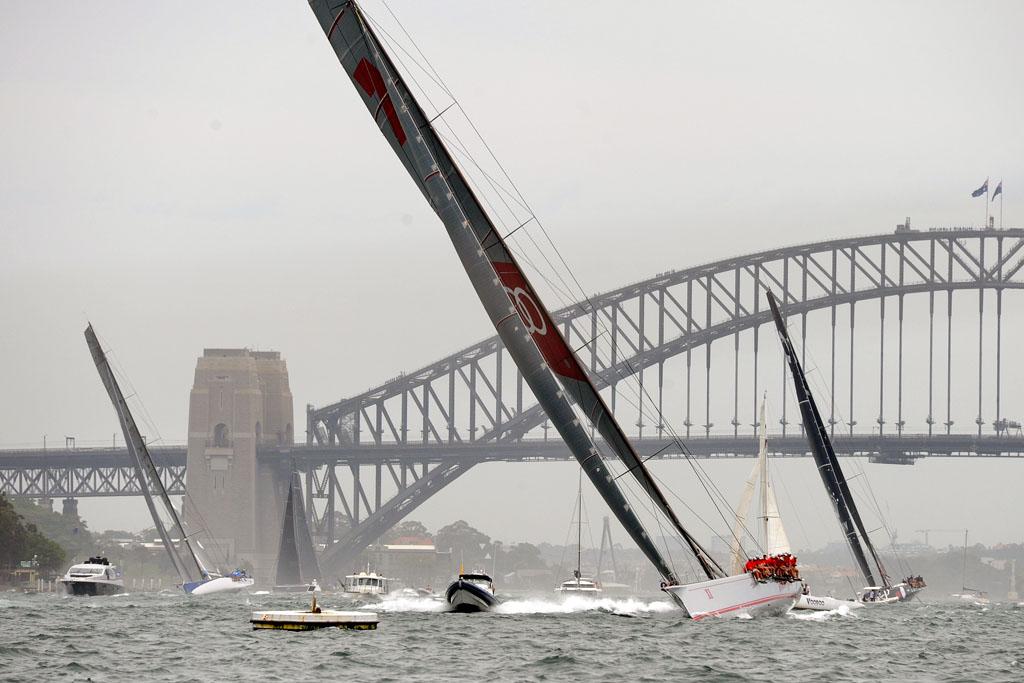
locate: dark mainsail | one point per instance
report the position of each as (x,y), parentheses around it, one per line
(515,309)
(826,460)
(296,561)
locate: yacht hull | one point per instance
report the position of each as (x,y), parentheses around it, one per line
(464,596)
(901,592)
(824,604)
(735,596)
(222,584)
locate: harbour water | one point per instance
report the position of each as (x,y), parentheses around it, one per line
(170,637)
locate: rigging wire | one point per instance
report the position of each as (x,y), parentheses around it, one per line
(707,484)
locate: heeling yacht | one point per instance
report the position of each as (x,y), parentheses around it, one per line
(547,362)
(838,488)
(198,577)
(95,576)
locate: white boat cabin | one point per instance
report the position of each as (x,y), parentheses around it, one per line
(367,583)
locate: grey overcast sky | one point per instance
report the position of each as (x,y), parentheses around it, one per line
(198,174)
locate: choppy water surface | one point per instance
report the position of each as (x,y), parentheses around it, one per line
(170,637)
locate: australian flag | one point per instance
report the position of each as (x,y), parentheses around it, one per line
(981,190)
(999,190)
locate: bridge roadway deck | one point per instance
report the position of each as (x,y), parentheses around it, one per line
(76,464)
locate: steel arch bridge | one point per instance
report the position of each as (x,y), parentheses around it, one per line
(474,401)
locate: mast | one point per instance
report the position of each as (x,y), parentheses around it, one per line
(825,458)
(963,571)
(142,462)
(579,530)
(762,457)
(520,318)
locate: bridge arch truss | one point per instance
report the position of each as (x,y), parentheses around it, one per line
(688,318)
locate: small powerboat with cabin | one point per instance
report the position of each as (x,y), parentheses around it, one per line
(472,592)
(367,585)
(95,576)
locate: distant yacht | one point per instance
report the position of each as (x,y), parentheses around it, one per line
(297,568)
(579,584)
(95,576)
(473,592)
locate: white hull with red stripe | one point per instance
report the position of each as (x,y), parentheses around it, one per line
(736,596)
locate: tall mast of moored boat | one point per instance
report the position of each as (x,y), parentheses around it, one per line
(523,323)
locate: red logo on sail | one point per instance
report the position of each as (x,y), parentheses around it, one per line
(369,79)
(540,326)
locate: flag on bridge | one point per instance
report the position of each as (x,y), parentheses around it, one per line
(981,190)
(999,190)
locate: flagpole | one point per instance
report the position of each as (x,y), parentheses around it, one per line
(985,227)
(1001,193)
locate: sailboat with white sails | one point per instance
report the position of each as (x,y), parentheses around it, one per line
(197,575)
(838,488)
(548,365)
(769,532)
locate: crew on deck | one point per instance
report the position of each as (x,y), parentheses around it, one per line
(780,567)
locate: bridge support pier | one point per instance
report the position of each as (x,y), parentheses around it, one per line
(240,402)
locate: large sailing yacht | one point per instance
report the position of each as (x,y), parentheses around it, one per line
(547,363)
(197,576)
(297,568)
(838,488)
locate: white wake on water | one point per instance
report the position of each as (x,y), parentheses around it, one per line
(406,605)
(569,605)
(825,615)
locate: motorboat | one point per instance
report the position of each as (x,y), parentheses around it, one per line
(367,585)
(472,592)
(95,576)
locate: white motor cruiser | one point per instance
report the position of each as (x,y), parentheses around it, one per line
(95,576)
